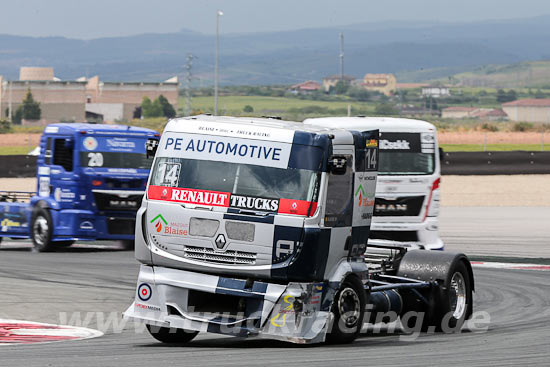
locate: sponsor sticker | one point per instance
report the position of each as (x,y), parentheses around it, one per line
(371,143)
(226,149)
(144,292)
(90,143)
(225,199)
(190,196)
(254,203)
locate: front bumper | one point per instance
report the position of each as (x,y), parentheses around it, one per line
(426,234)
(297,312)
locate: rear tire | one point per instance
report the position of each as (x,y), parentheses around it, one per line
(451,303)
(348,308)
(41,229)
(171,335)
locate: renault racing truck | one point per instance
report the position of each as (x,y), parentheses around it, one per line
(90,182)
(259,228)
(407,194)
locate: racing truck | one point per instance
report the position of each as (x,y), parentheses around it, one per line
(259,228)
(90,182)
(406,207)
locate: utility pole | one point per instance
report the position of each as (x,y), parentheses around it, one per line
(9,100)
(187,109)
(342,56)
(216,77)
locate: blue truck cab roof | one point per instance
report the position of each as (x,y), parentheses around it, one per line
(73,128)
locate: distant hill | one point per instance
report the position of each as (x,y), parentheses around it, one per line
(415,51)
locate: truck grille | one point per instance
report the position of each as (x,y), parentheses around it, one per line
(112,202)
(408,206)
(124,226)
(226,257)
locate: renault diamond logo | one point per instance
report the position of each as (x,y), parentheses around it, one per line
(220,241)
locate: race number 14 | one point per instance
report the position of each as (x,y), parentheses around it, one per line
(371,159)
(169,174)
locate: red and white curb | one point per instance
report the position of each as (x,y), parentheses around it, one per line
(28,332)
(494,265)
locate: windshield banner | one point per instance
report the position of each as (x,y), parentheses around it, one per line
(226,149)
(113,144)
(228,200)
(400,142)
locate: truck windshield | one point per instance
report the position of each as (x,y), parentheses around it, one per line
(401,163)
(115,160)
(235,178)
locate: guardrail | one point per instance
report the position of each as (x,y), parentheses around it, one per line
(17,166)
(452,163)
(495,163)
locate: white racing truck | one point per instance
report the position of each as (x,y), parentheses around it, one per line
(259,228)
(407,192)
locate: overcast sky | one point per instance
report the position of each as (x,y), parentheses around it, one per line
(87,19)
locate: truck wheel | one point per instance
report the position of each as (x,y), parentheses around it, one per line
(41,230)
(348,308)
(170,335)
(452,301)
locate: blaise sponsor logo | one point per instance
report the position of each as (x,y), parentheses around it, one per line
(254,203)
(398,145)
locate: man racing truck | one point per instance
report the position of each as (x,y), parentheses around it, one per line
(90,182)
(406,208)
(259,227)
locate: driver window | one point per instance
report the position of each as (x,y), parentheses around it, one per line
(339,207)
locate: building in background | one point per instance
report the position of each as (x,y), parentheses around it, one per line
(74,100)
(459,112)
(118,101)
(383,83)
(436,91)
(306,87)
(529,110)
(59,100)
(331,81)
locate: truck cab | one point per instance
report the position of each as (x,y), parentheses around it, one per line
(90,182)
(408,190)
(250,224)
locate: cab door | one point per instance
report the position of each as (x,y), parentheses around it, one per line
(338,216)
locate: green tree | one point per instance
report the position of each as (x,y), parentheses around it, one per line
(30,109)
(248,108)
(385,109)
(341,87)
(501,96)
(512,95)
(146,106)
(167,108)
(5,126)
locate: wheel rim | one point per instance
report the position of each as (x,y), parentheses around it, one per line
(40,230)
(458,295)
(349,306)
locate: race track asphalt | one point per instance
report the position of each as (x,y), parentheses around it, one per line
(98,283)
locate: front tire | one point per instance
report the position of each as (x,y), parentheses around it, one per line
(348,308)
(170,335)
(41,230)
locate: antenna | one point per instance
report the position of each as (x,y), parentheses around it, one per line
(341,56)
(187,109)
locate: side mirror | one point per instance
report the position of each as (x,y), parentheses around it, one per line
(338,164)
(151,147)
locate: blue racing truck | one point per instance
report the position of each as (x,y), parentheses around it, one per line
(90,182)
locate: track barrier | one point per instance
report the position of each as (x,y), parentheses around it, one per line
(452,163)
